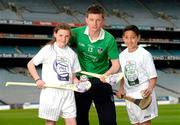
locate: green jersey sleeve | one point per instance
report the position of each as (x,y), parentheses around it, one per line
(113,52)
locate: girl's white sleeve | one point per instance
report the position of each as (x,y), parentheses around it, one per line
(76,66)
(40,56)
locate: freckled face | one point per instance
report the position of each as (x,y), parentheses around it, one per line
(62,37)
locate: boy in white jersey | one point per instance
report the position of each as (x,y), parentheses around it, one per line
(140,77)
(59,65)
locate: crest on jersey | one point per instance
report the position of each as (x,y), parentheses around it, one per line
(100,50)
(61,67)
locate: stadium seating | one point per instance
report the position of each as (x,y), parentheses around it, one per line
(7,49)
(16,94)
(158,52)
(170,81)
(33,21)
(29,49)
(174,52)
(120,12)
(7,14)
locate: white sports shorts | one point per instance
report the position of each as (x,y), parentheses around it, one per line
(55,103)
(136,115)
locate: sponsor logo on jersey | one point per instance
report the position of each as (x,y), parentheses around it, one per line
(147,116)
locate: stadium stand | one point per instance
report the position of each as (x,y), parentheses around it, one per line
(5,14)
(29,49)
(27,25)
(164,10)
(168,83)
(174,52)
(7,49)
(15,94)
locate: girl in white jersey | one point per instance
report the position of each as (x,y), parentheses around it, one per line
(140,77)
(59,65)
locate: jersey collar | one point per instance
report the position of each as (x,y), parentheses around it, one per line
(101,35)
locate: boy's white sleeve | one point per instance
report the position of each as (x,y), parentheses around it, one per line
(150,67)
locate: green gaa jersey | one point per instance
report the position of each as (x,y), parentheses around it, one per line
(94,57)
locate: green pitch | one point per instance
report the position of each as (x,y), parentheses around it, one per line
(168,115)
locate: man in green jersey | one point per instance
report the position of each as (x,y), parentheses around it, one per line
(95,47)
